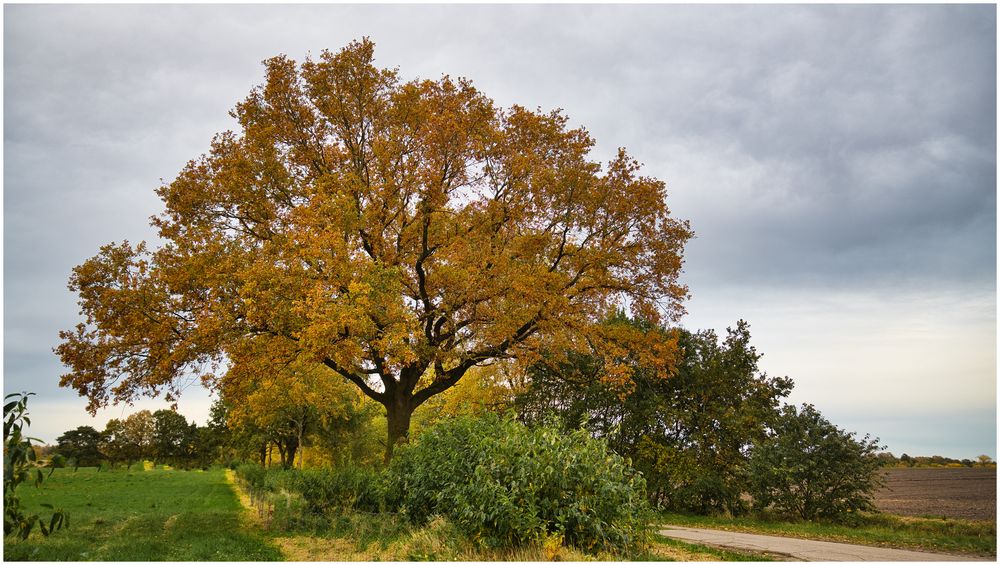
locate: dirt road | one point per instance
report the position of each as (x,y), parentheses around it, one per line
(804,550)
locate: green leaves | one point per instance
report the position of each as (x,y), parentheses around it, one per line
(689,434)
(812,469)
(507,485)
(18,466)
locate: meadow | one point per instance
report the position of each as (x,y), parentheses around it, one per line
(142,515)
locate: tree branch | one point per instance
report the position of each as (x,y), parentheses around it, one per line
(357,380)
(447,379)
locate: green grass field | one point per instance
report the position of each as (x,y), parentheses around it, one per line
(155,515)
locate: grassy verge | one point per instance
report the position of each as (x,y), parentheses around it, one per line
(677,550)
(141,515)
(885,530)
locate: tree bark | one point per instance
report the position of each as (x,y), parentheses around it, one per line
(281,453)
(398,413)
(301,451)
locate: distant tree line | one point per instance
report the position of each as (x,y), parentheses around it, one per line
(163,436)
(273,437)
(887,459)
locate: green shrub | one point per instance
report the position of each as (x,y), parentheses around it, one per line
(348,488)
(252,474)
(506,485)
(345,488)
(812,469)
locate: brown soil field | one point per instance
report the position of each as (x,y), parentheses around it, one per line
(969,494)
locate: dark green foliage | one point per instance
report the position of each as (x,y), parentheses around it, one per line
(689,434)
(129,440)
(812,469)
(80,447)
(18,467)
(348,487)
(356,438)
(253,476)
(505,485)
(173,438)
(163,436)
(206,447)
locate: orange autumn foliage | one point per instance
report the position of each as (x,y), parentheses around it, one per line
(384,229)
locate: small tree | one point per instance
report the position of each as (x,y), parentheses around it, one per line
(285,401)
(171,437)
(689,434)
(129,440)
(80,446)
(19,466)
(813,469)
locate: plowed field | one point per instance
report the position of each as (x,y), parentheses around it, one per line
(953,493)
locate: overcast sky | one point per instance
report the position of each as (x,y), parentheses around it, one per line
(837,163)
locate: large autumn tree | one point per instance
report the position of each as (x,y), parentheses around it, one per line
(400,233)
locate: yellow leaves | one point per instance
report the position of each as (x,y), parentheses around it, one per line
(618,377)
(359,293)
(269,379)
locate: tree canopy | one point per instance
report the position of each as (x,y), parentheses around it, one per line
(690,434)
(131,439)
(80,446)
(399,233)
(811,468)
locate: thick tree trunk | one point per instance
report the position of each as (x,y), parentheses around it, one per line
(398,414)
(289,460)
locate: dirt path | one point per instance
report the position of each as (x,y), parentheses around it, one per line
(804,550)
(296,548)
(250,513)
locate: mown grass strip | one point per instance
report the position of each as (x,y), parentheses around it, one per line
(970,537)
(142,515)
(670,549)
